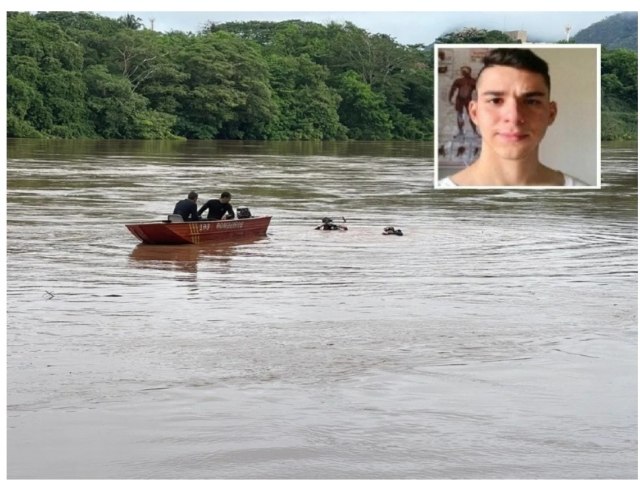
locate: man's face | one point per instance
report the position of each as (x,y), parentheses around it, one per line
(512,112)
(224,200)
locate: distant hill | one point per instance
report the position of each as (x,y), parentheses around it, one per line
(616,31)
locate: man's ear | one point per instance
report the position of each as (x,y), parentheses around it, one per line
(473,111)
(553,112)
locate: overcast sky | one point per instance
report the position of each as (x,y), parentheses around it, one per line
(405,27)
(408,21)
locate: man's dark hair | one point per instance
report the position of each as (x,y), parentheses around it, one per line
(520,58)
(192,195)
(225,195)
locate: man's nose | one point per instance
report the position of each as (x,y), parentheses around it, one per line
(513,111)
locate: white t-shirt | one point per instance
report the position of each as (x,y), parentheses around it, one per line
(569,181)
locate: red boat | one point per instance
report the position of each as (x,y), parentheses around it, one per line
(172,232)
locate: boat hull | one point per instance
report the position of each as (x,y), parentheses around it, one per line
(165,233)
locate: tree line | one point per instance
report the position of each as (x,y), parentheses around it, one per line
(81,75)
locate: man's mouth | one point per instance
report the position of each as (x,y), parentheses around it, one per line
(512,136)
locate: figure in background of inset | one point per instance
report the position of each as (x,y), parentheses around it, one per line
(465,85)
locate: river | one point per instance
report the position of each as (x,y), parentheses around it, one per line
(496,339)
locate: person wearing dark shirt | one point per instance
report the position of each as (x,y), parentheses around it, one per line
(218,208)
(188,208)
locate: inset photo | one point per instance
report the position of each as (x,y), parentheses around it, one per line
(517,116)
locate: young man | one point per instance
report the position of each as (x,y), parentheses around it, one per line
(188,207)
(219,209)
(512,111)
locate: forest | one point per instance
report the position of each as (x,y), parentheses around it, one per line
(82,75)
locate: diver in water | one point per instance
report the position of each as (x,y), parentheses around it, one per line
(392,231)
(327,224)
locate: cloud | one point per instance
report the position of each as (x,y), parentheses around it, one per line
(405,27)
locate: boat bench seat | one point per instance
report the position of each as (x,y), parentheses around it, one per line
(175,218)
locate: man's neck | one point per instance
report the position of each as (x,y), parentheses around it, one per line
(493,170)
(508,171)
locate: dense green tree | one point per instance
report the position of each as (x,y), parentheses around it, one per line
(413,118)
(475,35)
(93,32)
(375,58)
(619,81)
(26,114)
(362,110)
(147,62)
(227,89)
(118,112)
(307,107)
(45,85)
(78,74)
(131,21)
(256,31)
(289,38)
(410,94)
(619,69)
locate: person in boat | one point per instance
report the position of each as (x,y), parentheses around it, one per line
(188,208)
(327,224)
(219,209)
(512,111)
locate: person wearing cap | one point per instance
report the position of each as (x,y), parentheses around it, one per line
(188,208)
(219,209)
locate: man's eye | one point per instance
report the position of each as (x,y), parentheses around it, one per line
(495,101)
(533,101)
